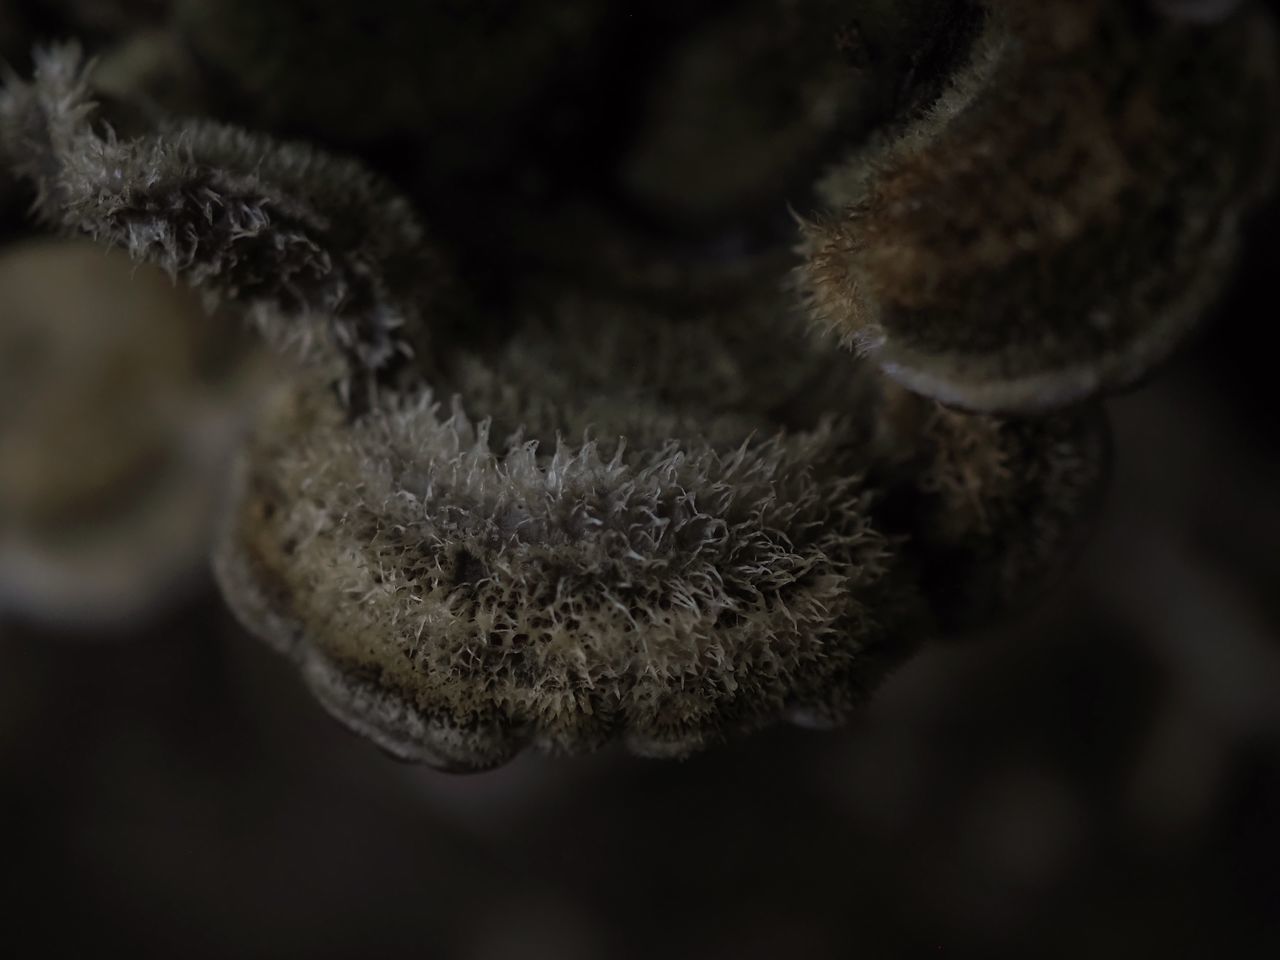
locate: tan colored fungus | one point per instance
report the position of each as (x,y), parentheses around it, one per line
(580,517)
(1056,221)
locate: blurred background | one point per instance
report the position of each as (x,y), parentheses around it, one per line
(1099,778)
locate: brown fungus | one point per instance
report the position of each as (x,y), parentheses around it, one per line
(651,550)
(590,518)
(319,253)
(991,506)
(1056,221)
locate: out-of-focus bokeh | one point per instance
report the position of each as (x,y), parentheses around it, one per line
(1099,778)
(120,404)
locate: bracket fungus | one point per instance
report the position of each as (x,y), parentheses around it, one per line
(630,498)
(1056,221)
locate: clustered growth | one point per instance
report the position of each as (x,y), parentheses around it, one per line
(551,473)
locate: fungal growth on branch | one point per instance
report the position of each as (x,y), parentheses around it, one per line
(1058,219)
(511,491)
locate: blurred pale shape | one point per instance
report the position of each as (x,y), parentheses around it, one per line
(119,400)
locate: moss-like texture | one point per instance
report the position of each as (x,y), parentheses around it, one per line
(1058,219)
(312,248)
(560,462)
(633,552)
